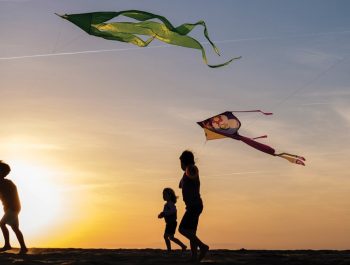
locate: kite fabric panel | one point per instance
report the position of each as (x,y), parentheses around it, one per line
(96,24)
(227,125)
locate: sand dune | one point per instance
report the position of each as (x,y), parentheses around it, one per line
(155,256)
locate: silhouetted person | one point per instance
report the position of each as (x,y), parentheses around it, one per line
(190,186)
(12,207)
(169,213)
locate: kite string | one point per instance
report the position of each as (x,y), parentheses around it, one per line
(59,46)
(292,158)
(308,84)
(298,160)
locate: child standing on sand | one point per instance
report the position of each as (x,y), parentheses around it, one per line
(12,207)
(169,213)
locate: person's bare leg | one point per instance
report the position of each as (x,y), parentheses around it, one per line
(189,235)
(20,238)
(194,248)
(167,242)
(6,234)
(177,241)
(195,242)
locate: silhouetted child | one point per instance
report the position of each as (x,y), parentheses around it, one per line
(169,213)
(12,207)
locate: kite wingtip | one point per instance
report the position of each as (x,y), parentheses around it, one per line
(62,16)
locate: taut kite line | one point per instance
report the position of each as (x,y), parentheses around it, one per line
(227,125)
(96,24)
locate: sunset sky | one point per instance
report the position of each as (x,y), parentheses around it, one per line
(93,138)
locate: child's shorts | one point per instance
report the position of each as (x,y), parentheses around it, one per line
(170,228)
(10,218)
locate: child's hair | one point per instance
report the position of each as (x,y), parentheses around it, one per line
(171,194)
(187,158)
(4,169)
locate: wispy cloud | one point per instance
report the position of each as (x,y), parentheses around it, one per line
(334,92)
(316,103)
(189,113)
(87,187)
(313,58)
(343,112)
(236,173)
(31,146)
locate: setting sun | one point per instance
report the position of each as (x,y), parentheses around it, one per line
(39,195)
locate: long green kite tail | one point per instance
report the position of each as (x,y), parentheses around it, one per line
(97,24)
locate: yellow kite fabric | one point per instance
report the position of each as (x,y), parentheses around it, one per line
(96,24)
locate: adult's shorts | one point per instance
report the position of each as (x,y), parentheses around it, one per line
(10,218)
(191,217)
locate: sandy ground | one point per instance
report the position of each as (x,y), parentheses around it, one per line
(154,257)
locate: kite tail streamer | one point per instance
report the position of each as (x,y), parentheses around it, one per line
(186,28)
(299,160)
(293,158)
(265,113)
(259,146)
(259,137)
(144,16)
(183,29)
(296,156)
(220,65)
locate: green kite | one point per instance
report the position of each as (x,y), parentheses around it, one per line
(96,24)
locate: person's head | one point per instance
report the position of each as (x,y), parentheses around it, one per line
(187,159)
(169,195)
(4,169)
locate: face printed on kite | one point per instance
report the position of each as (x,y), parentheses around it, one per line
(223,124)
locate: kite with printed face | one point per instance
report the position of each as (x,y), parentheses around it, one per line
(97,24)
(227,125)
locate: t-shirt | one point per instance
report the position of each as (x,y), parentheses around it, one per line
(191,191)
(170,212)
(9,196)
